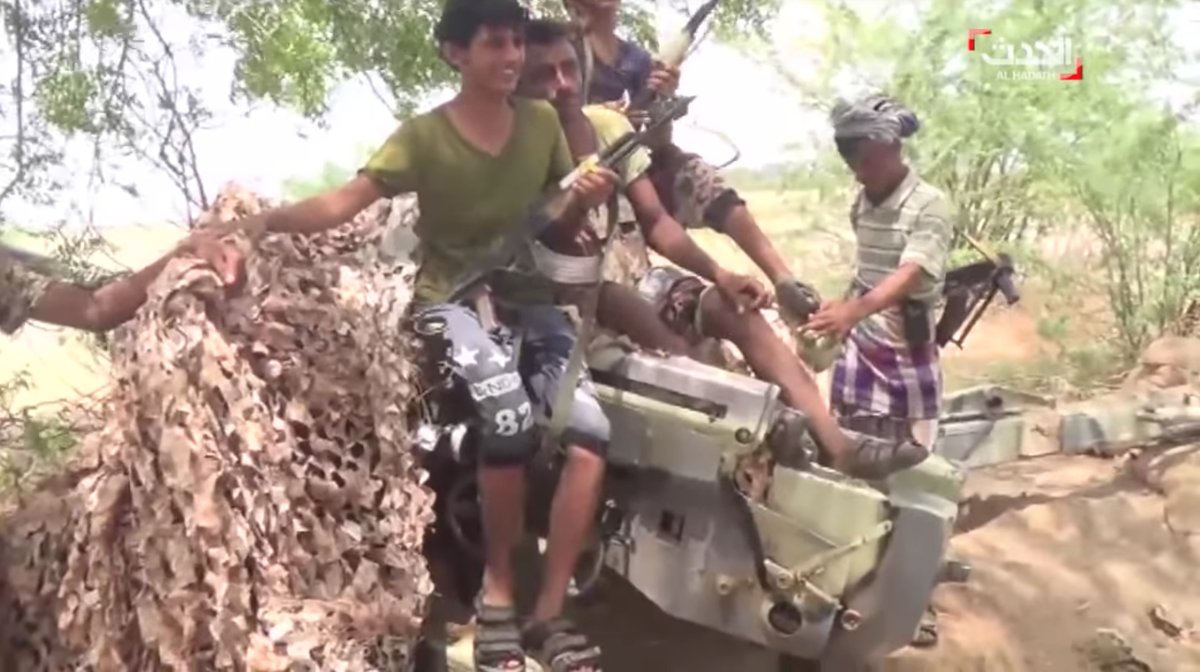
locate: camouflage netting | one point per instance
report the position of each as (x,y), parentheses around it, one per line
(250,502)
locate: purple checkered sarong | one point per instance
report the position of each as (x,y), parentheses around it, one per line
(881,378)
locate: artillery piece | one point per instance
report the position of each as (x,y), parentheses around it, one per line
(716,509)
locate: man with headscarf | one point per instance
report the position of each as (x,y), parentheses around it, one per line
(888,380)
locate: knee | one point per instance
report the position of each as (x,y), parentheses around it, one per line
(587,459)
(589,428)
(721,319)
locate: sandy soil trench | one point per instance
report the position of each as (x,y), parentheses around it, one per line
(1080,563)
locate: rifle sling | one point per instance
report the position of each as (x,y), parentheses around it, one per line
(564,397)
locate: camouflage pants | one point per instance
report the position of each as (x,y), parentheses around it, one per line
(676,295)
(692,190)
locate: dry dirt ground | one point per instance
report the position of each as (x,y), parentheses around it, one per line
(1079,564)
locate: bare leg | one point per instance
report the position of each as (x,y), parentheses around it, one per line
(571,516)
(771,360)
(622,309)
(502,490)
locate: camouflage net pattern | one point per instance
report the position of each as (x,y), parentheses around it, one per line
(251,502)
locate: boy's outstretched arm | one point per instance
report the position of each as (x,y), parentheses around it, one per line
(741,227)
(393,169)
(321,212)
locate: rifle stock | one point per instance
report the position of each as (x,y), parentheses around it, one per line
(968,291)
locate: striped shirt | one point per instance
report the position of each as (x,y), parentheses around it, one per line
(879,371)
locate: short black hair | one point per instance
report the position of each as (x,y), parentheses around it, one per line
(462,19)
(545,32)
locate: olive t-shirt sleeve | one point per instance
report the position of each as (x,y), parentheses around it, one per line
(395,164)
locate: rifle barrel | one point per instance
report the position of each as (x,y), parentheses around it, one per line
(37,262)
(698,18)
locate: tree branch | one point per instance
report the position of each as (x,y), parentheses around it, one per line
(18,19)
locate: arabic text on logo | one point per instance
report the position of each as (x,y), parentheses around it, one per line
(1036,60)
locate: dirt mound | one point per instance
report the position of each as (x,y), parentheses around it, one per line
(1167,362)
(250,502)
(1079,564)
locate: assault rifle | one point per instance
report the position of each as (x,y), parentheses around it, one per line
(33,261)
(551,206)
(970,289)
(676,50)
(87,277)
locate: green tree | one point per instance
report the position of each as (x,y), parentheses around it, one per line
(332,174)
(1025,157)
(107,70)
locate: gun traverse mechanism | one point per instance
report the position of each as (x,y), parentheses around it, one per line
(970,289)
(551,205)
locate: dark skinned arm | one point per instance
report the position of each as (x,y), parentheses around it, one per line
(99,310)
(744,231)
(117,302)
(666,235)
(924,255)
(578,130)
(891,291)
(568,234)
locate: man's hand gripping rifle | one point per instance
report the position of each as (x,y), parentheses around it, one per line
(969,290)
(554,204)
(675,51)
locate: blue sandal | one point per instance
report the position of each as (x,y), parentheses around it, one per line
(560,647)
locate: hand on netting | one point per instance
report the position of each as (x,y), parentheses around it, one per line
(225,258)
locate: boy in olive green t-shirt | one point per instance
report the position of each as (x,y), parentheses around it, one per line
(476,164)
(469,198)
